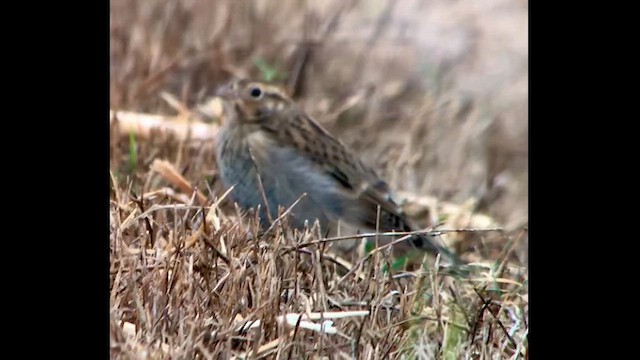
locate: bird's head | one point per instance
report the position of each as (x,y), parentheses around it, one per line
(250,102)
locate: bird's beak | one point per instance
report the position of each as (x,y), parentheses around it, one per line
(227,92)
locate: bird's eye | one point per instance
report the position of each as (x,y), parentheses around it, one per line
(255,92)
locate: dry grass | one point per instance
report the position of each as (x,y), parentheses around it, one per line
(431,93)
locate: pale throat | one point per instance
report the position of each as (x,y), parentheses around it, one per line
(260,144)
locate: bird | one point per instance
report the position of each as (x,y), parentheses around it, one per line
(270,150)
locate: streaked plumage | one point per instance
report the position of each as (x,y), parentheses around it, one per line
(294,155)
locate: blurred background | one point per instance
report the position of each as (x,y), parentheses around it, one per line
(433,94)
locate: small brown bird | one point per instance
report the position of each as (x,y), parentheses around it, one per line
(265,131)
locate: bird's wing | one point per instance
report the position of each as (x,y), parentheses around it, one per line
(357,191)
(363,191)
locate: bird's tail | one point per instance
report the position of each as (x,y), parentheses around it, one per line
(430,244)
